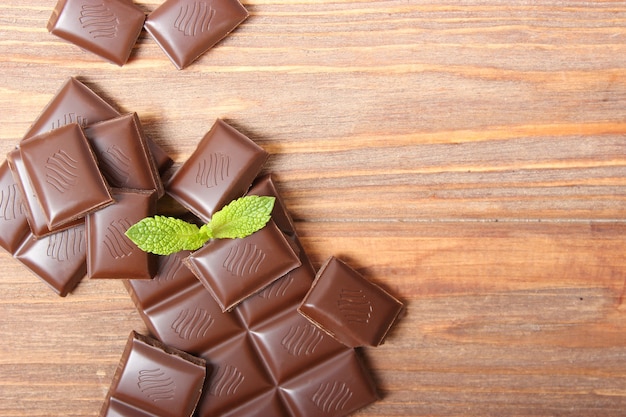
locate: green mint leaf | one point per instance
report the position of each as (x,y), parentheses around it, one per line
(166,235)
(240,217)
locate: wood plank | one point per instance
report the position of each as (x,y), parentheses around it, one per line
(467,156)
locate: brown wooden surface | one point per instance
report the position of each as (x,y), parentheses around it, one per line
(468,156)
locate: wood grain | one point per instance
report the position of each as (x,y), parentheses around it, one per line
(470,157)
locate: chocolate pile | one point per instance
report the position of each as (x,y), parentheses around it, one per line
(273,337)
(184,29)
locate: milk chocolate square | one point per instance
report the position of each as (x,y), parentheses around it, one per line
(154,379)
(219,170)
(343,303)
(64,174)
(337,387)
(107,28)
(37,221)
(186,29)
(57,259)
(123,154)
(234,269)
(110,253)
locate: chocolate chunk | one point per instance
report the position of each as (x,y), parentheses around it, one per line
(73,103)
(123,154)
(234,269)
(13,222)
(336,387)
(186,29)
(352,309)
(64,174)
(107,28)
(289,342)
(220,169)
(57,259)
(35,216)
(153,379)
(110,253)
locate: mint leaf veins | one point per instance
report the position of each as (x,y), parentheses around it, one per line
(166,235)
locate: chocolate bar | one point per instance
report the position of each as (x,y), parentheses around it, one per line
(233,269)
(266,358)
(64,174)
(219,170)
(261,353)
(58,259)
(107,28)
(350,308)
(111,254)
(186,29)
(123,154)
(153,379)
(13,222)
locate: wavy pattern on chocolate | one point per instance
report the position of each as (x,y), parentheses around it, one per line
(70,118)
(118,245)
(192,324)
(10,203)
(213,170)
(244,260)
(99,20)
(115,166)
(168,270)
(226,381)
(332,396)
(61,171)
(156,385)
(302,340)
(355,306)
(277,289)
(66,245)
(195,18)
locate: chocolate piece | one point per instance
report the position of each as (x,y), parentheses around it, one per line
(35,216)
(111,254)
(107,28)
(288,341)
(64,174)
(234,269)
(264,186)
(57,259)
(289,289)
(124,157)
(352,309)
(73,103)
(186,29)
(220,169)
(337,387)
(153,379)
(13,222)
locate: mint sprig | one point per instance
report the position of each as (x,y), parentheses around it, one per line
(166,235)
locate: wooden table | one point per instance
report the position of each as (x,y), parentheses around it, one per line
(470,157)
